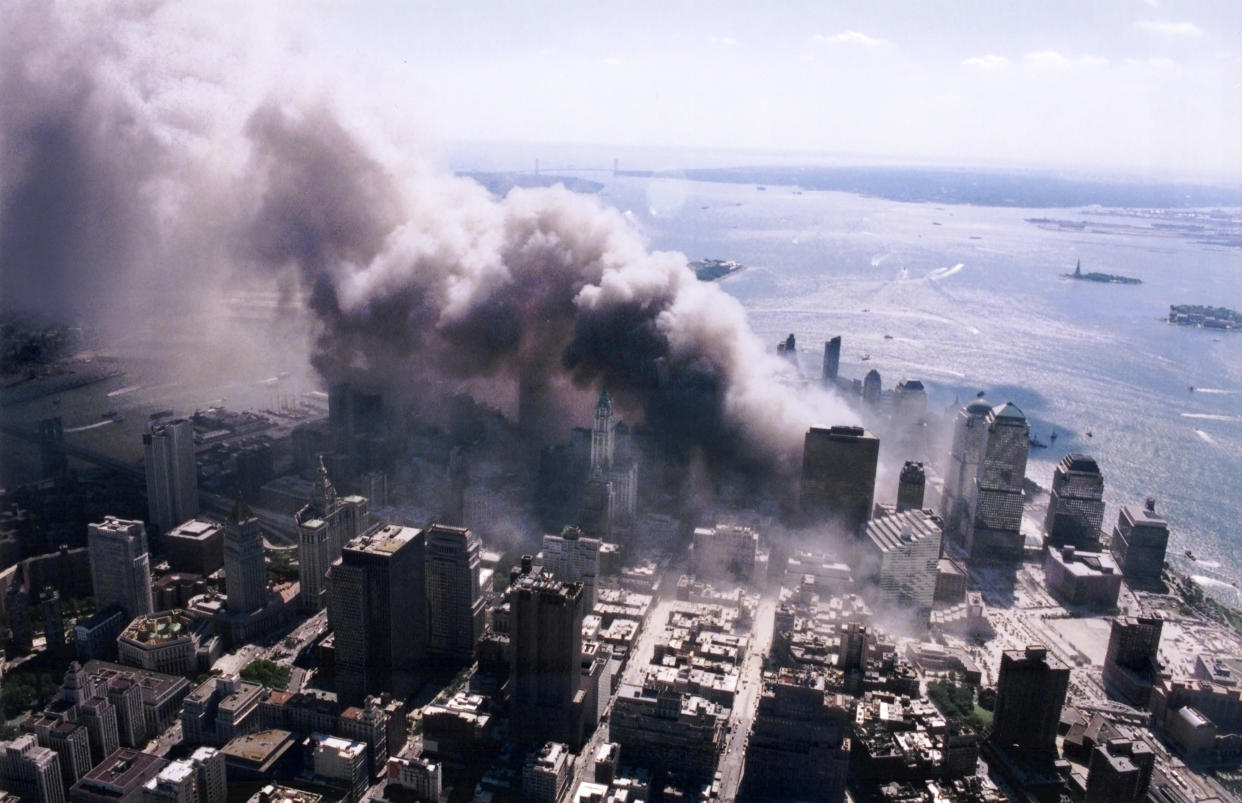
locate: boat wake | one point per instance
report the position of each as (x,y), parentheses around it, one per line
(1206,438)
(944,273)
(1212,417)
(85,427)
(1219,391)
(122,391)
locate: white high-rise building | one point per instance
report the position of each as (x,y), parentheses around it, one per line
(903,551)
(120,565)
(572,557)
(172,477)
(325,525)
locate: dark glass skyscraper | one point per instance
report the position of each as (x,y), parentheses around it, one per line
(1076,510)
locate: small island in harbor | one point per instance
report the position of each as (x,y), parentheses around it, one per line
(1106,278)
(709,270)
(1205,316)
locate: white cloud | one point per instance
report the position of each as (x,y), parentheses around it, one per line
(1165,28)
(850,38)
(988,62)
(612,61)
(1046,59)
(1152,3)
(1056,60)
(723,41)
(1160,62)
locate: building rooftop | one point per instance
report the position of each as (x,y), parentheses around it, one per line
(893,532)
(197,529)
(162,627)
(1079,462)
(1008,410)
(121,773)
(257,747)
(383,540)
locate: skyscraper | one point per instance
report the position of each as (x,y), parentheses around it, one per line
(376,596)
(172,477)
(31,772)
(611,465)
(911,486)
(1140,539)
(872,389)
(1030,692)
(454,599)
(838,476)
(903,551)
(120,565)
(970,441)
(603,434)
(325,525)
(546,638)
(245,572)
(995,529)
(1131,666)
(572,557)
(53,620)
(1076,510)
(832,360)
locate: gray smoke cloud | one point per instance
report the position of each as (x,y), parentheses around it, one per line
(131,164)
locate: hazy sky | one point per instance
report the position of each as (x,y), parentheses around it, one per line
(1149,86)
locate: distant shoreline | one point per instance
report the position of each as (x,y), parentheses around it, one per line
(974,187)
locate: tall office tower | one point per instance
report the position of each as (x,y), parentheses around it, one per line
(995,528)
(852,654)
(120,566)
(799,744)
(872,389)
(1140,539)
(911,401)
(245,572)
(325,525)
(611,465)
(970,441)
(599,499)
(53,620)
(1119,772)
(172,477)
(454,599)
(209,771)
(1076,510)
(832,360)
(17,605)
(1131,666)
(573,558)
(31,772)
(603,434)
(838,476)
(375,609)
(910,487)
(1030,692)
(724,552)
(903,551)
(546,638)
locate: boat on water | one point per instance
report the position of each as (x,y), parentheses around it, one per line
(1036,443)
(1191,555)
(866,357)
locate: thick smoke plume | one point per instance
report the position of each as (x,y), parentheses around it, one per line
(130,164)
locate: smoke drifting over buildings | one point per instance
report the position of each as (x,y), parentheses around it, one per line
(132,168)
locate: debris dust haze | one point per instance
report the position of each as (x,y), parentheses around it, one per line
(154,161)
